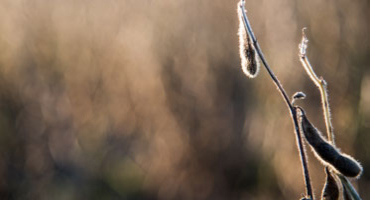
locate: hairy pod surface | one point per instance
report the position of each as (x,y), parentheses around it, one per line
(326,152)
(248,55)
(330,190)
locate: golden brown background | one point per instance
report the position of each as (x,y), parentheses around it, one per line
(145,99)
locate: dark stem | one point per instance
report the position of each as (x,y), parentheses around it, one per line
(292,110)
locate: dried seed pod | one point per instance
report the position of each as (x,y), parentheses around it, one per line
(326,152)
(248,55)
(330,190)
(348,166)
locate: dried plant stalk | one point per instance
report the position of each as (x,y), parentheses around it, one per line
(348,188)
(321,84)
(292,110)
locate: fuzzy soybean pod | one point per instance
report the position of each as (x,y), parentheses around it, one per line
(326,152)
(248,55)
(331,190)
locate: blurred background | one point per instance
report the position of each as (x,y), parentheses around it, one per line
(126,99)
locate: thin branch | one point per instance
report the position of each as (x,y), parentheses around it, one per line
(293,112)
(320,83)
(349,187)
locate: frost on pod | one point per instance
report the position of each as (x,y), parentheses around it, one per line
(248,55)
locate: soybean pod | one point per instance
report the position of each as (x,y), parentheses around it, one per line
(326,152)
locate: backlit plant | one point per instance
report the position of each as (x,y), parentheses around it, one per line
(338,166)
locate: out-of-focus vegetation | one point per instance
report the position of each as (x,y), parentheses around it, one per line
(146,99)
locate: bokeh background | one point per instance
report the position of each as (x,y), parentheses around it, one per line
(128,99)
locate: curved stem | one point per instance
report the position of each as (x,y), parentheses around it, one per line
(293,112)
(321,84)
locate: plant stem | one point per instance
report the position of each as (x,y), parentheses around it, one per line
(293,112)
(321,84)
(349,187)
